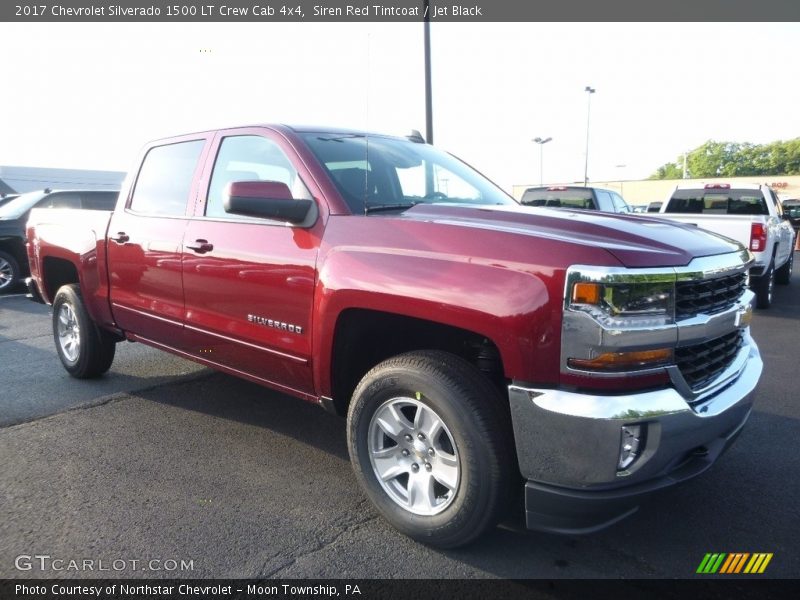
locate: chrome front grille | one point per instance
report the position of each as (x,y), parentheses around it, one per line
(708,296)
(701,363)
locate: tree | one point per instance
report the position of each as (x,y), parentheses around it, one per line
(732,159)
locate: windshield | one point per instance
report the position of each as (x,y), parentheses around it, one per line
(559,197)
(377,173)
(718,202)
(17,207)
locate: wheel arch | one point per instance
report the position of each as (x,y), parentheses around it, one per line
(57,272)
(365,337)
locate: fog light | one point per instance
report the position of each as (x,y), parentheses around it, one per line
(629,446)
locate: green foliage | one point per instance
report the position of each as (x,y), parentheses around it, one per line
(731,159)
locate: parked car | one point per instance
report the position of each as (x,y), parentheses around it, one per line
(14,215)
(791,210)
(748,213)
(576,197)
(478,349)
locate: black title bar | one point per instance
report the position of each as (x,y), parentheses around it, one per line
(334,11)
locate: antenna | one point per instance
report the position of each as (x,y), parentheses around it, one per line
(366,175)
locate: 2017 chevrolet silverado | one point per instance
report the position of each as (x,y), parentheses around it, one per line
(478,348)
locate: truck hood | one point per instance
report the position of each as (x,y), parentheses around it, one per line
(634,241)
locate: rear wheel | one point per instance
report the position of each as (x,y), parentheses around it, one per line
(784,275)
(9,272)
(430,447)
(85,350)
(764,288)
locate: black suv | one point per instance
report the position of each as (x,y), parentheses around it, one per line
(569,196)
(14,216)
(791,210)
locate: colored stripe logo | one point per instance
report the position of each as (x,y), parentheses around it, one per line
(734,563)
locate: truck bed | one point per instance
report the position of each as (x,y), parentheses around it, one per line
(735,227)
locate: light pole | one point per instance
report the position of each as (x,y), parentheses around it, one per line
(541,143)
(621,188)
(428,78)
(589,91)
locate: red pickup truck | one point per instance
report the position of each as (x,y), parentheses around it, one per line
(478,348)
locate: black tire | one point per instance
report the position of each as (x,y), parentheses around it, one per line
(9,273)
(85,350)
(764,288)
(475,421)
(784,275)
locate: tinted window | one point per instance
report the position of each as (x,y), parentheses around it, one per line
(792,209)
(718,202)
(559,197)
(165,178)
(99,200)
(249,158)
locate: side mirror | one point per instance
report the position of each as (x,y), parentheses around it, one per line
(266,200)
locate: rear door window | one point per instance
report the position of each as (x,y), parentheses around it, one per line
(165,179)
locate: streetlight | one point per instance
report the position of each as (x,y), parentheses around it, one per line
(428,78)
(541,143)
(621,188)
(589,91)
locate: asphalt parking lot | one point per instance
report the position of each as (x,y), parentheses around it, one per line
(165,461)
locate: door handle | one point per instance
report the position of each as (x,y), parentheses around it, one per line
(201,246)
(121,237)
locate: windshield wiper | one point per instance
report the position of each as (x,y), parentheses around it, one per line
(370,208)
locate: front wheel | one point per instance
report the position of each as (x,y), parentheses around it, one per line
(85,350)
(429,440)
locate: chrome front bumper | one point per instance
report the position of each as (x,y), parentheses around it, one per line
(568,444)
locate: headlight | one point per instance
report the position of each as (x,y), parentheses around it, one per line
(631,320)
(625,299)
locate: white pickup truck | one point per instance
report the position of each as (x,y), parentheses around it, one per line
(748,213)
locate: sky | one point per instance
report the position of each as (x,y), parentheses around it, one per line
(89,95)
